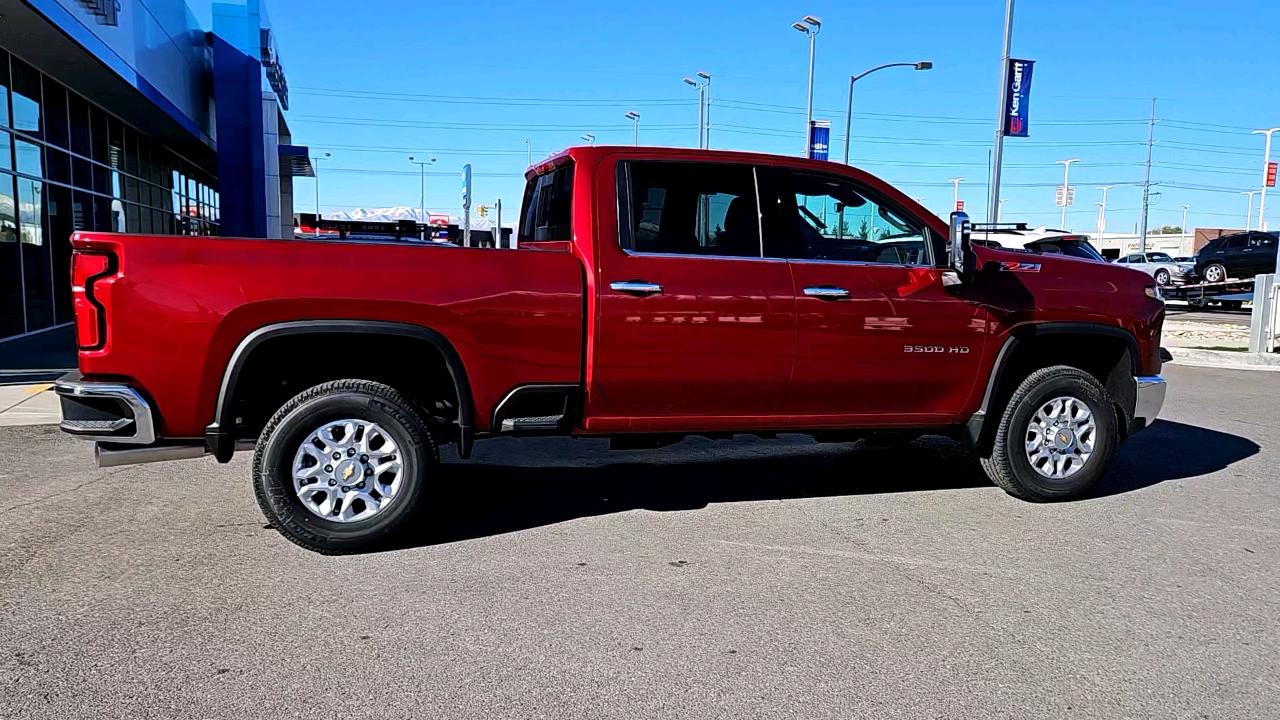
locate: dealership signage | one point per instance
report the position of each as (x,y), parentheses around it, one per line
(107,12)
(819,139)
(273,67)
(1017,98)
(1271,174)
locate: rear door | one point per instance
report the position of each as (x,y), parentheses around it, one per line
(1234,255)
(696,315)
(1261,253)
(878,336)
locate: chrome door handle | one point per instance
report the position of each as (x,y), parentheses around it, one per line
(827,293)
(636,287)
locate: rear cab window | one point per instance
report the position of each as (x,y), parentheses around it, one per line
(547,211)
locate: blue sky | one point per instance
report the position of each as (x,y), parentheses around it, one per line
(470,82)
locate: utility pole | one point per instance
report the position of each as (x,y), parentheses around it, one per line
(955,201)
(315,163)
(1146,181)
(1182,239)
(1102,214)
(993,208)
(1266,162)
(1066,187)
(497,223)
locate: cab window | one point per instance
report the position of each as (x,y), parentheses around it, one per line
(548,206)
(684,208)
(837,220)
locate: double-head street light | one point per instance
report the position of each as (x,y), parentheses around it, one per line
(1066,188)
(1102,213)
(1248,219)
(634,117)
(1182,239)
(422,190)
(809,25)
(1266,162)
(315,164)
(955,199)
(848,112)
(589,138)
(703,84)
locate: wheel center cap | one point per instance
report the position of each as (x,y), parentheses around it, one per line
(349,472)
(1063,439)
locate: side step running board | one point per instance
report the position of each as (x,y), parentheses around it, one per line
(532,424)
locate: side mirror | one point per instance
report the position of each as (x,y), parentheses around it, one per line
(960,245)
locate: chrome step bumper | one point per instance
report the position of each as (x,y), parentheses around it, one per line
(104,411)
(1150,399)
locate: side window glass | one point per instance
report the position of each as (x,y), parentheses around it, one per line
(683,208)
(547,210)
(839,221)
(1262,241)
(1234,243)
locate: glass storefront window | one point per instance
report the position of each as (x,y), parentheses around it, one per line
(60,216)
(4,91)
(12,316)
(26,97)
(55,114)
(78,112)
(81,175)
(57,166)
(37,275)
(29,158)
(98,135)
(6,152)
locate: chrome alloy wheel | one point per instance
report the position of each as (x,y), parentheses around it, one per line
(1060,437)
(347,471)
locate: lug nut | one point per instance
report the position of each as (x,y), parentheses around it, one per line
(351,451)
(332,483)
(360,485)
(328,468)
(368,471)
(364,458)
(337,456)
(346,489)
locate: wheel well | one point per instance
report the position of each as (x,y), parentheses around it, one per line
(1108,357)
(280,367)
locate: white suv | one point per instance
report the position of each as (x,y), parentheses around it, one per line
(1041,239)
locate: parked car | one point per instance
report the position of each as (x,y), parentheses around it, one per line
(1239,256)
(1041,240)
(657,293)
(1158,265)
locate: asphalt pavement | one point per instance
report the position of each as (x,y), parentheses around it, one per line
(553,579)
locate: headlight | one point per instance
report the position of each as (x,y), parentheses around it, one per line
(1153,292)
(1186,268)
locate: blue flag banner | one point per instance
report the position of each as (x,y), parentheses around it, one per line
(1017,98)
(819,139)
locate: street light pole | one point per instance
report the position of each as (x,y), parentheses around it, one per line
(1249,218)
(1000,208)
(1066,187)
(634,117)
(955,201)
(1182,239)
(706,113)
(997,159)
(315,162)
(1266,161)
(529,152)
(422,191)
(701,92)
(848,111)
(811,26)
(1102,213)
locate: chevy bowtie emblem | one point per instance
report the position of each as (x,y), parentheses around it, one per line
(346,474)
(1061,436)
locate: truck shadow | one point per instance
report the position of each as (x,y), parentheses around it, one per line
(491,495)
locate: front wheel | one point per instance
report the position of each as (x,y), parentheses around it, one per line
(342,466)
(1055,438)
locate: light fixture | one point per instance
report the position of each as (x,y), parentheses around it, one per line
(924,65)
(799,26)
(813,20)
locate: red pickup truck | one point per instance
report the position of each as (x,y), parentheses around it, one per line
(656,293)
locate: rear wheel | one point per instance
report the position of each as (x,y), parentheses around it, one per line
(342,466)
(1055,438)
(1215,273)
(1162,277)
(1232,304)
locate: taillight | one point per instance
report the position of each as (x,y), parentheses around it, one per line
(91,316)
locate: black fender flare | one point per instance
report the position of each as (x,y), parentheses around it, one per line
(219,434)
(977,431)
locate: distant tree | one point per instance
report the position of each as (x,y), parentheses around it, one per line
(1169,230)
(864,230)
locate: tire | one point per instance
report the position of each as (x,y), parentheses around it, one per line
(1009,465)
(1215,273)
(365,519)
(1232,304)
(1162,277)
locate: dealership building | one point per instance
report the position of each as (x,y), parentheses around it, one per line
(137,116)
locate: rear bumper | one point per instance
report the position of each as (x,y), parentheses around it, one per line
(104,411)
(1150,399)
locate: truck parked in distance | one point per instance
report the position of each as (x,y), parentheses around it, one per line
(656,293)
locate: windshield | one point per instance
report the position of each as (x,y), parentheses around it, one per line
(1069,247)
(1158,257)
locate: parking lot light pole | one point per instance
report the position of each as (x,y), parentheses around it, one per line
(315,163)
(955,200)
(634,117)
(1182,240)
(1066,187)
(701,94)
(1102,214)
(848,111)
(706,112)
(1248,219)
(422,191)
(1266,161)
(811,26)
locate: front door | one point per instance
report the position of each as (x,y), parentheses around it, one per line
(695,319)
(878,334)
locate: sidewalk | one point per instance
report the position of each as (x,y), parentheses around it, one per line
(29,405)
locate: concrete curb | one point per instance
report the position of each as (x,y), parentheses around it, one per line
(1196,357)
